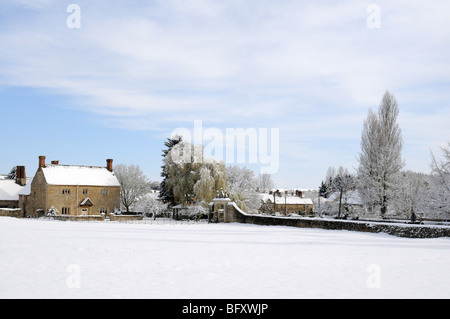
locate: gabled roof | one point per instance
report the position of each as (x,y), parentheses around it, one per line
(87,202)
(290,200)
(351,197)
(71,175)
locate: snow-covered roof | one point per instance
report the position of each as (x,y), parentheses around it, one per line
(27,189)
(87,202)
(290,200)
(351,197)
(71,175)
(9,190)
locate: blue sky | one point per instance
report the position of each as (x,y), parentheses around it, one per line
(118,86)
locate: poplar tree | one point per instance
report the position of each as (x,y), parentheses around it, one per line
(380,160)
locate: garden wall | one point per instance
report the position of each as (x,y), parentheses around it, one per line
(234,214)
(124,218)
(11,212)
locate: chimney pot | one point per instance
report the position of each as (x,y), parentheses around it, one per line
(109,165)
(41,161)
(21,177)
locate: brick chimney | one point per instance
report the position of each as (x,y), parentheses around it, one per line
(109,165)
(21,177)
(55,162)
(41,161)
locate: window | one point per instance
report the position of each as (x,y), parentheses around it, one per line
(104,192)
(66,191)
(85,191)
(66,210)
(103,210)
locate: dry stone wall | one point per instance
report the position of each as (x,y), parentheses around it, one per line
(234,214)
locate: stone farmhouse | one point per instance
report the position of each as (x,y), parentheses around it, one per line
(289,204)
(70,190)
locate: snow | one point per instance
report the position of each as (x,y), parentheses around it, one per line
(351,197)
(292,200)
(79,175)
(27,189)
(9,190)
(53,259)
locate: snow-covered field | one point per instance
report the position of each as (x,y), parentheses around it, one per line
(51,259)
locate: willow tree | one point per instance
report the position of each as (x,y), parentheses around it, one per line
(190,176)
(380,160)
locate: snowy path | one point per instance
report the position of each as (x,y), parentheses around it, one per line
(50,259)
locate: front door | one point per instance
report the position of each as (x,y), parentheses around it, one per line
(84,211)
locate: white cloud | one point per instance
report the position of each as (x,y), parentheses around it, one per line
(311,69)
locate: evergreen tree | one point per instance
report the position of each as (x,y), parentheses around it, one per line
(166,192)
(323,190)
(13,173)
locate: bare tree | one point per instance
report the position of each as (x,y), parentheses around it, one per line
(440,182)
(133,184)
(339,182)
(265,183)
(380,160)
(242,186)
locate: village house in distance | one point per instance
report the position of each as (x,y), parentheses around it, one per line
(287,202)
(70,190)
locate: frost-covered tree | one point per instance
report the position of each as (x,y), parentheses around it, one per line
(242,186)
(338,181)
(13,173)
(412,194)
(190,176)
(133,184)
(265,183)
(205,188)
(380,160)
(440,183)
(150,206)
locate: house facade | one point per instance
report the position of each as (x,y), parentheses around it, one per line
(288,204)
(70,190)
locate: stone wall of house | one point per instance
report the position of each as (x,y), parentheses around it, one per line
(234,214)
(34,205)
(106,198)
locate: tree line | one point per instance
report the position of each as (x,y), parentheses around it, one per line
(383,186)
(189,179)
